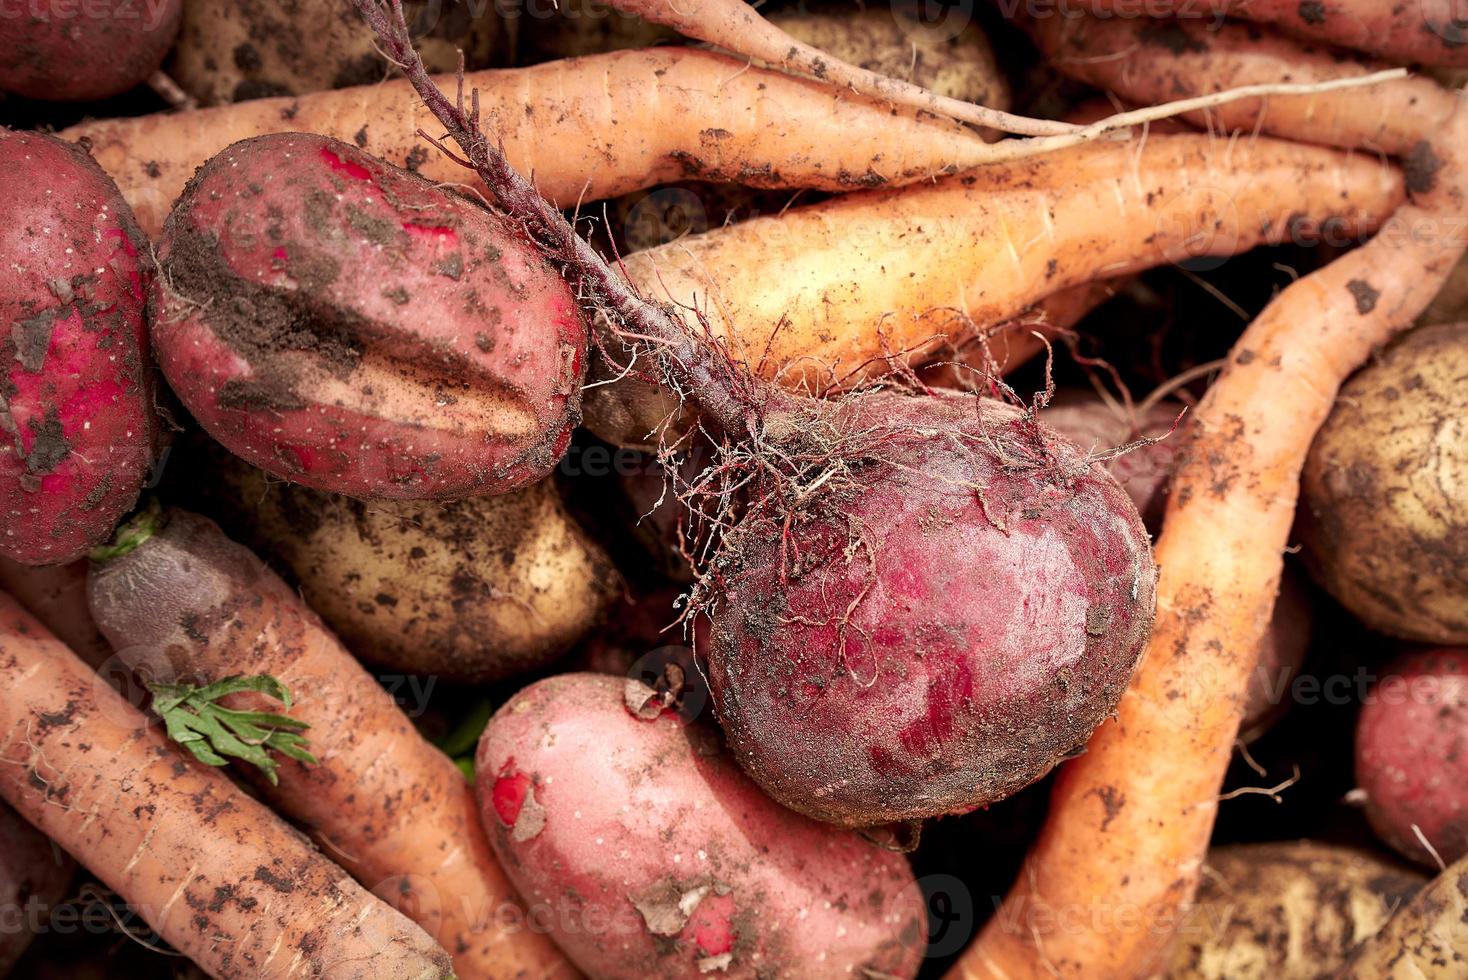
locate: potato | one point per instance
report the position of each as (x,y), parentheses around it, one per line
(1282,653)
(1426,940)
(952,58)
(232,50)
(77,423)
(77,51)
(345,324)
(1283,911)
(645,851)
(474,590)
(552,29)
(1385,490)
(34,875)
(1412,755)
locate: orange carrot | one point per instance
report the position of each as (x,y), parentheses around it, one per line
(870,275)
(584,129)
(183,601)
(1123,846)
(1146,61)
(215,873)
(1427,32)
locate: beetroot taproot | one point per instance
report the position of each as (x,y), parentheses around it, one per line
(77,429)
(959,601)
(347,325)
(641,847)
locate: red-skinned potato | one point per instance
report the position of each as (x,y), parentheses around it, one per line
(647,853)
(1282,653)
(77,429)
(349,326)
(1412,754)
(78,51)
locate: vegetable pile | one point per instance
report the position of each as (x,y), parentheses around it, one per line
(502,493)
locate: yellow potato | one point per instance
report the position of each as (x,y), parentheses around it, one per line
(475,590)
(1384,508)
(1286,911)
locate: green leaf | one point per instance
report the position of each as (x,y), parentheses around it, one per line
(213,733)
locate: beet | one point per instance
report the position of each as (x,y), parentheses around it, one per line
(917,604)
(346,325)
(951,616)
(77,428)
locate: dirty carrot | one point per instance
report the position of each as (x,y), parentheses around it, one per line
(221,878)
(1122,849)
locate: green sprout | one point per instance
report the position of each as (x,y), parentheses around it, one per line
(196,720)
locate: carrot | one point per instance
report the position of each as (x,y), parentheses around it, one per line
(591,128)
(57,596)
(215,873)
(872,274)
(585,128)
(1146,61)
(184,601)
(1427,32)
(1120,853)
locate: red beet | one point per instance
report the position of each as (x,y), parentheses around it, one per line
(1412,754)
(77,430)
(1282,653)
(938,624)
(347,325)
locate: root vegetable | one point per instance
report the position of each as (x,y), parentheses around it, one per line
(937,629)
(648,853)
(1130,820)
(229,51)
(53,50)
(57,596)
(1412,755)
(186,603)
(77,428)
(1385,515)
(1147,61)
(1426,940)
(348,326)
(1099,426)
(473,590)
(215,873)
(1287,911)
(1429,32)
(587,129)
(34,876)
(873,276)
(819,487)
(1282,652)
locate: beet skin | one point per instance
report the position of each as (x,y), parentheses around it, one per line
(77,430)
(349,326)
(934,626)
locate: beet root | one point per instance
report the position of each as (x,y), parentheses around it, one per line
(77,430)
(959,600)
(347,325)
(637,842)
(1412,755)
